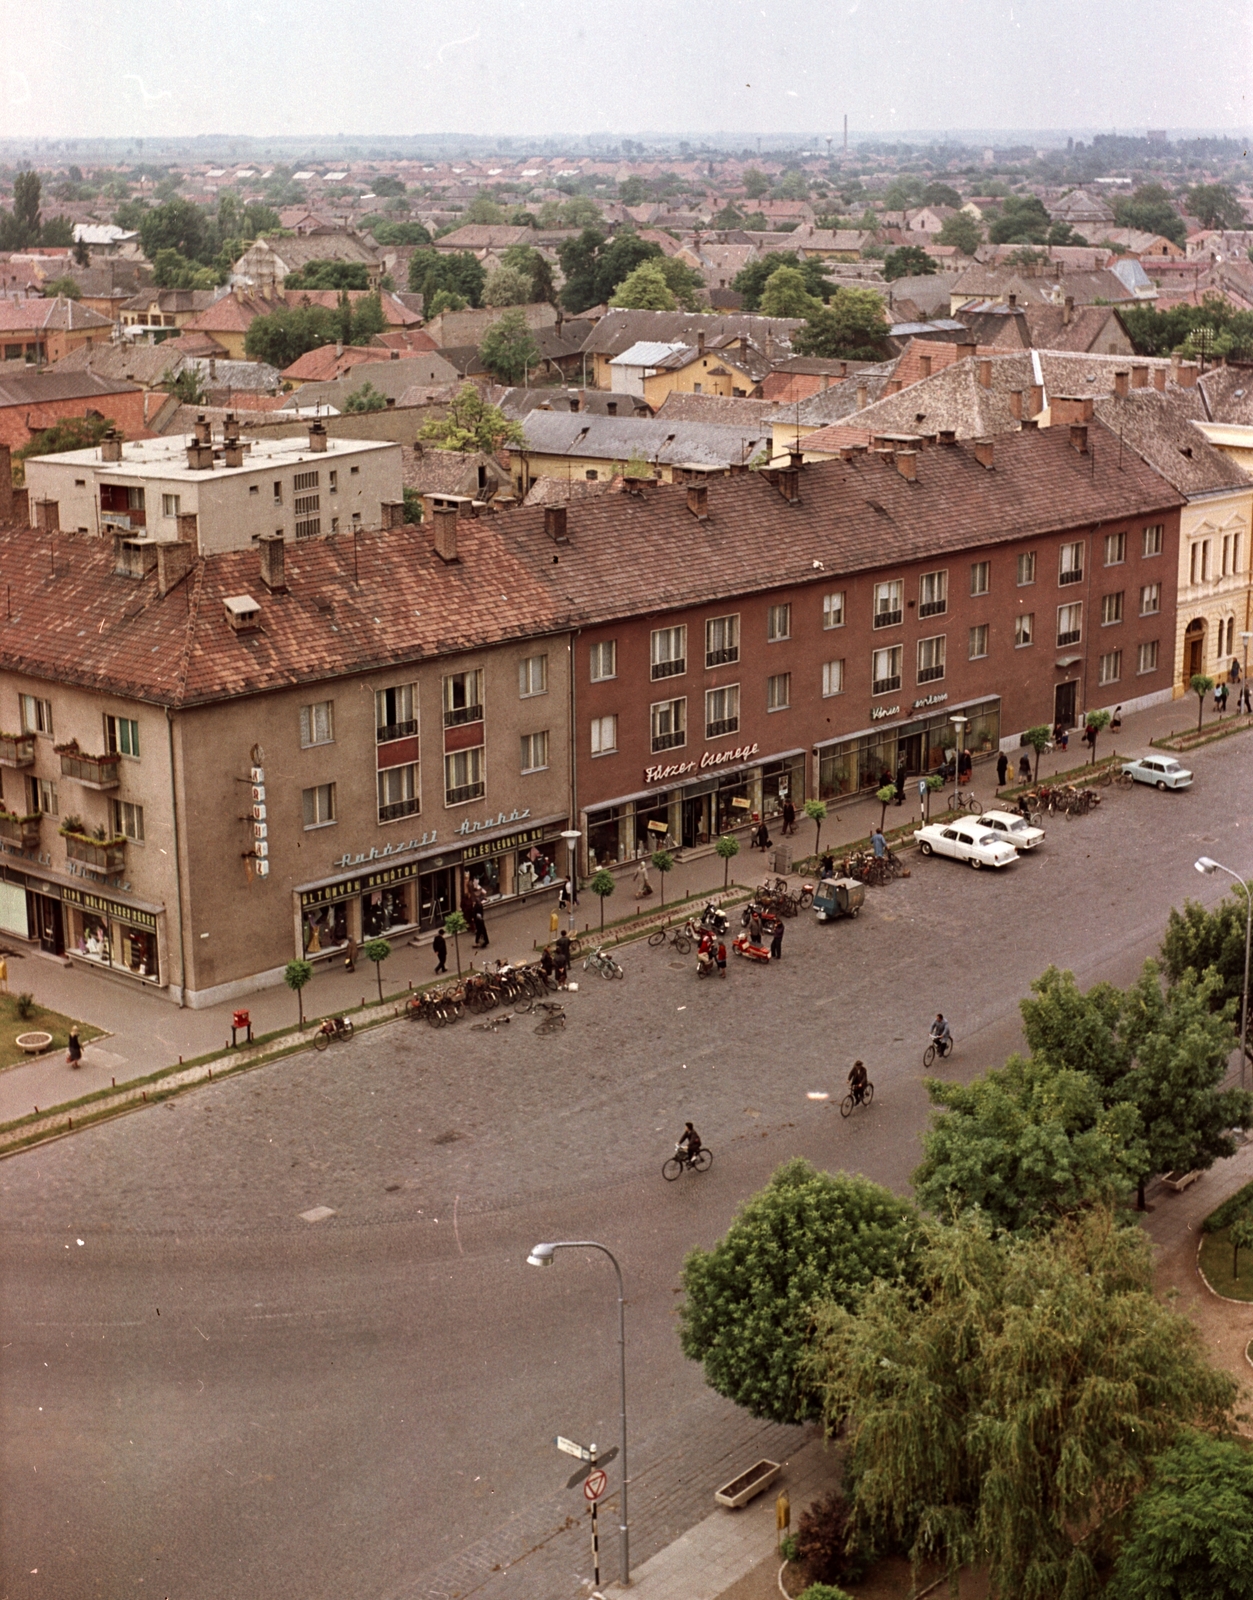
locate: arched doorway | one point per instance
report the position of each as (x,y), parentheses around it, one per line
(1194,649)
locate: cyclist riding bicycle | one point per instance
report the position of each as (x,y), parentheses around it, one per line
(858,1078)
(689,1144)
(941,1034)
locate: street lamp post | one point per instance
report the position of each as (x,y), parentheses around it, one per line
(959,726)
(542,1256)
(1244,687)
(572,837)
(1209,866)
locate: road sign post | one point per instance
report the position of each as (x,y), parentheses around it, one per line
(593,1488)
(595,1481)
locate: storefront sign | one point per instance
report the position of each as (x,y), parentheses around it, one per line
(329,893)
(109,908)
(658,827)
(711,758)
(375,854)
(511,841)
(741,804)
(495,822)
(878,713)
(930,700)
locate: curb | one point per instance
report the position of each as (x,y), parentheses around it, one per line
(1225,1298)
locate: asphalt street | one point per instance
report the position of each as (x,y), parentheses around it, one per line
(205,1394)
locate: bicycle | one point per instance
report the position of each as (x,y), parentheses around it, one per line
(332,1028)
(492,1023)
(851,1099)
(675,936)
(554,1018)
(601,961)
(680,1162)
(960,801)
(938,1047)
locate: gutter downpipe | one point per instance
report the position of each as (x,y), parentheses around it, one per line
(178,869)
(574,741)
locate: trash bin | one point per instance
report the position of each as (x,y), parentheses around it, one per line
(783,859)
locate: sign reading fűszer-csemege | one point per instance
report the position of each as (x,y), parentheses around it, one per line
(711,758)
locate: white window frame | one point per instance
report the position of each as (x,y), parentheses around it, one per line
(1026,569)
(779,691)
(472,690)
(1150,599)
(1151,541)
(891,656)
(779,623)
(321,807)
(475,763)
(833,608)
(1024,630)
(832,678)
(605,735)
(932,658)
(317,724)
(891,614)
(126,820)
(1070,563)
(602,652)
(404,698)
(1115,549)
(935,585)
(1147,658)
(1231,554)
(1109,667)
(1072,613)
(667,652)
(121,736)
(408,803)
(1112,608)
(727,628)
(1199,562)
(532,676)
(980,577)
(170,504)
(535,745)
(978,642)
(675,711)
(724,699)
(36,715)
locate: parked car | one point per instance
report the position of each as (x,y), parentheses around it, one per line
(1014,827)
(966,841)
(1163,772)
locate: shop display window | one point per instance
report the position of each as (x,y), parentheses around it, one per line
(536,868)
(325,928)
(385,909)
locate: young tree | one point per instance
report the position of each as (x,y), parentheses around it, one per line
(507,286)
(816,811)
(1094,722)
(644,289)
(851,327)
(365,398)
(62,288)
(664,862)
(785,295)
(728,847)
(377,950)
(807,1236)
(909,261)
(885,797)
(471,424)
(603,884)
(186,384)
(68,433)
(456,924)
(26,195)
(534,267)
(296,975)
(1039,738)
(509,349)
(1200,686)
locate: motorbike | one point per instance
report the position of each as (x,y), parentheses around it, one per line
(714,918)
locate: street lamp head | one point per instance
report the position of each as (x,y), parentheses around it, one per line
(541,1255)
(1204,864)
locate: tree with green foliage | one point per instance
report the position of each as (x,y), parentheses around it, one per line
(460,273)
(1023,220)
(377,950)
(633,190)
(750,282)
(534,267)
(172,270)
(1214,205)
(365,398)
(67,433)
(1150,209)
(603,885)
(578,258)
(909,261)
(325,274)
(1009,1401)
(941,194)
(27,187)
(807,1237)
(484,211)
(1039,739)
(644,289)
(619,259)
(1200,941)
(785,295)
(413,505)
(391,230)
(1200,686)
(1214,328)
(903,193)
(507,286)
(186,385)
(361,320)
(663,861)
(684,282)
(1095,721)
(728,847)
(456,924)
(471,424)
(509,348)
(852,328)
(755,183)
(794,185)
(387,185)
(65,288)
(816,811)
(729,217)
(178,225)
(296,974)
(289,333)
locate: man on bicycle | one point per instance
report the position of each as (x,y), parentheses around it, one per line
(858,1078)
(941,1034)
(689,1144)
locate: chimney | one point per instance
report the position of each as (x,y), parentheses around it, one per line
(445,521)
(204,433)
(843,369)
(187,529)
(1159,379)
(199,457)
(925,363)
(1068,408)
(393,513)
(555,524)
(213,368)
(6,486)
(985,374)
(1122,383)
(698,501)
(907,464)
(1013,302)
(788,484)
(1079,437)
(48,516)
(339,349)
(1174,369)
(700,341)
(824,383)
(233,454)
(1030,425)
(967,350)
(1187,374)
(893,386)
(395,356)
(317,436)
(796,458)
(111,446)
(1139,377)
(1068,310)
(273,566)
(983,452)
(863,396)
(947,436)
(1035,399)
(1015,404)
(174,562)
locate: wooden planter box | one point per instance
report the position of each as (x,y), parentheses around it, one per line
(1179,1181)
(107,855)
(21,831)
(17,750)
(748,1485)
(94,772)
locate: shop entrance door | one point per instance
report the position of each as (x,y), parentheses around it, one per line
(45,921)
(696,811)
(435,897)
(1065,697)
(910,747)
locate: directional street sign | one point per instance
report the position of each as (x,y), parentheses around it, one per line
(595,1485)
(572,1449)
(582,1472)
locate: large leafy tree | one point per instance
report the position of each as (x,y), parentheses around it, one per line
(172,270)
(1008,1401)
(785,295)
(67,433)
(962,232)
(852,327)
(507,286)
(471,424)
(756,183)
(509,347)
(389,230)
(1214,205)
(289,333)
(941,194)
(329,275)
(24,225)
(645,289)
(178,225)
(1151,210)
(526,259)
(750,282)
(1199,941)
(459,273)
(594,266)
(807,1236)
(910,261)
(1023,220)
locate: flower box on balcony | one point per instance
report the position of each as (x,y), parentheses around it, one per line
(17,749)
(19,830)
(93,772)
(106,855)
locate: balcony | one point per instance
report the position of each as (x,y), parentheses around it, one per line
(670,669)
(21,831)
(724,725)
(1070,636)
(930,674)
(933,608)
(93,772)
(462,793)
(456,716)
(668,741)
(105,855)
(887,619)
(1070,575)
(395,730)
(886,685)
(17,749)
(405,808)
(722,658)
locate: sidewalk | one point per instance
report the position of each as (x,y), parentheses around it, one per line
(145,1033)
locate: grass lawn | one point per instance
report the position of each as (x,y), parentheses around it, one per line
(1216,1265)
(41,1020)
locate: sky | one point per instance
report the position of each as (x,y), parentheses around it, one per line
(127,68)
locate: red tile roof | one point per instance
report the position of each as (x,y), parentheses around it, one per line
(230,314)
(57,316)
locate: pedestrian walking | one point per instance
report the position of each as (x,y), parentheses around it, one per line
(1024,768)
(350,955)
(1220,698)
(1061,736)
(878,844)
(900,782)
(440,946)
(561,958)
(1115,722)
(642,886)
(1233,673)
(965,766)
(75,1052)
(1002,769)
(789,817)
(762,839)
(481,940)
(1246,697)
(721,959)
(776,941)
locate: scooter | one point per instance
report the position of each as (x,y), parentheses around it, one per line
(706,963)
(714,918)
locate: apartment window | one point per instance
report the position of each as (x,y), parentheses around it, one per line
(1070,563)
(980,576)
(334,524)
(1109,667)
(278,493)
(1024,630)
(1070,623)
(978,642)
(1152,543)
(463,698)
(126,820)
(169,505)
(534,751)
(319,805)
(303,481)
(932,594)
(885,669)
(317,723)
(931,659)
(604,660)
(332,482)
(779,623)
(779,691)
(833,609)
(309,528)
(1148,657)
(1198,571)
(1026,569)
(254,488)
(604,735)
(1231,554)
(532,676)
(1115,549)
(463,776)
(722,711)
(668,720)
(1150,599)
(36,715)
(832,677)
(669,652)
(1111,608)
(121,736)
(353,471)
(722,641)
(887,603)
(306,504)
(395,712)
(1231,635)
(41,795)
(398,792)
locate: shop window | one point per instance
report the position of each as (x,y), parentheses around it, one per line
(1148,657)
(1111,608)
(385,909)
(395,712)
(534,751)
(1026,569)
(885,671)
(1150,599)
(606,838)
(887,603)
(170,504)
(126,820)
(463,698)
(833,609)
(1151,542)
(317,723)
(535,869)
(980,577)
(398,792)
(1115,549)
(931,658)
(1198,571)
(604,735)
(532,676)
(832,677)
(41,795)
(1070,563)
(36,715)
(325,928)
(463,776)
(979,642)
(1024,630)
(319,805)
(722,641)
(779,691)
(604,660)
(121,736)
(668,722)
(1109,668)
(722,711)
(778,623)
(1070,623)
(669,652)
(933,594)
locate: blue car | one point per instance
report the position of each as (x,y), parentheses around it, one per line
(1163,772)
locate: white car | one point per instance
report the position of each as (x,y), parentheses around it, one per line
(1013,827)
(966,841)
(1163,772)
